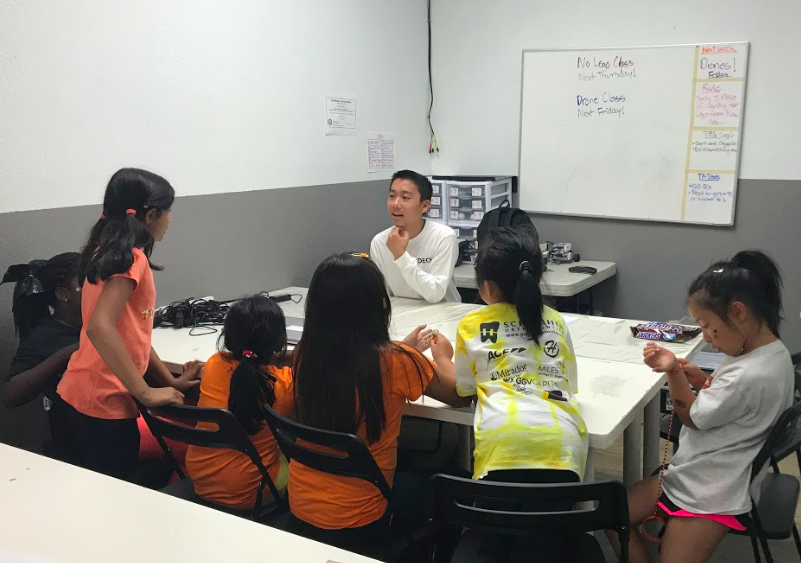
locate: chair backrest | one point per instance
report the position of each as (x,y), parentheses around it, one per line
(228,434)
(462,502)
(780,437)
(336,453)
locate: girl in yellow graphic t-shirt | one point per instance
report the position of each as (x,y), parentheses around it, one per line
(516,357)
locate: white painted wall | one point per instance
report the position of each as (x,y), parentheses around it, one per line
(216,96)
(477,58)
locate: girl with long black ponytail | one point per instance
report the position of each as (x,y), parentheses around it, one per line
(351,377)
(515,355)
(105,377)
(243,376)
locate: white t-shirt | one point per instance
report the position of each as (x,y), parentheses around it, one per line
(734,414)
(515,426)
(425,271)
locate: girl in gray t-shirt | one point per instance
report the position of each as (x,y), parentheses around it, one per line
(707,487)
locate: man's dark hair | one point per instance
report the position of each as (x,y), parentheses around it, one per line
(422,183)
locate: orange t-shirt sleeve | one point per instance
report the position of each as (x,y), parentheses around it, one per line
(137,269)
(215,383)
(283,390)
(411,372)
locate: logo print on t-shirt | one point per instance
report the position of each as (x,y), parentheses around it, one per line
(551,348)
(489,331)
(148,313)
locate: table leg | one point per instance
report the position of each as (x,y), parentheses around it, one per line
(632,451)
(650,448)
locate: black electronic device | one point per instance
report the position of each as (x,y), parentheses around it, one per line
(583,270)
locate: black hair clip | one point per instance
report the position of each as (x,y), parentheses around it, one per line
(24,276)
(16,273)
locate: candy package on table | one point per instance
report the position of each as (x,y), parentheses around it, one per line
(665,332)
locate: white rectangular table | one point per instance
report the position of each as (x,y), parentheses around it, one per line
(615,388)
(557,281)
(59,513)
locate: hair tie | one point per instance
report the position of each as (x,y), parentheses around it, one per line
(130,211)
(249,354)
(103,216)
(524,265)
(31,285)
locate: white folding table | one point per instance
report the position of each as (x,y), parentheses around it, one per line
(616,390)
(53,512)
(557,280)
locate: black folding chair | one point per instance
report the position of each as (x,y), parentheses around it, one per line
(345,455)
(792,445)
(228,434)
(774,517)
(463,503)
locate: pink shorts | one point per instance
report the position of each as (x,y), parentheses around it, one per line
(728,520)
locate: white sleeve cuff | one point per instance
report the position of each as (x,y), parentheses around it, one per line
(405,261)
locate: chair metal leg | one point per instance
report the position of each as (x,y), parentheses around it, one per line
(755,546)
(796,539)
(624,547)
(259,500)
(413,544)
(761,534)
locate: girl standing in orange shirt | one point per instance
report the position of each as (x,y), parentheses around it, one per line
(107,372)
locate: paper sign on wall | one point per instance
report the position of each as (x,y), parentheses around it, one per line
(340,115)
(380,152)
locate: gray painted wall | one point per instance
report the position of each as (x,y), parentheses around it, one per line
(231,244)
(656,261)
(222,245)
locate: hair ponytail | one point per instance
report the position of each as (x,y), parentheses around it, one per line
(528,300)
(251,387)
(113,251)
(513,262)
(113,237)
(35,288)
(254,334)
(769,277)
(750,277)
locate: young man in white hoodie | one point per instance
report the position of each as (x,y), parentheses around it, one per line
(416,256)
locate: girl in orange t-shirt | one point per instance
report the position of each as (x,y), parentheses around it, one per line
(241,378)
(106,373)
(350,377)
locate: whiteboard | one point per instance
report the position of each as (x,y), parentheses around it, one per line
(648,133)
